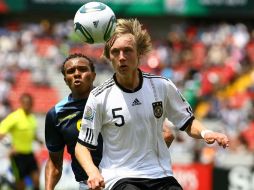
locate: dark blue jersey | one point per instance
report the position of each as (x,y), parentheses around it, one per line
(62,127)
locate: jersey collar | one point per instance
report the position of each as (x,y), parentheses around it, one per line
(128,90)
(71,99)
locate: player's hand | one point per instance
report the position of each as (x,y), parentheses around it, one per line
(96,181)
(220,138)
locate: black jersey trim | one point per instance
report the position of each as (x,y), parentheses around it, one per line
(189,110)
(89,146)
(187,123)
(128,90)
(98,90)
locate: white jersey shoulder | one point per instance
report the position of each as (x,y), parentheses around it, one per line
(103,87)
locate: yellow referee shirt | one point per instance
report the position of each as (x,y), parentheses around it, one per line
(22,129)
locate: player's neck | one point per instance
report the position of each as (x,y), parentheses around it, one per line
(26,111)
(129,82)
(80,95)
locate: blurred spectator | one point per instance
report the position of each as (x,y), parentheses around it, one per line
(21,125)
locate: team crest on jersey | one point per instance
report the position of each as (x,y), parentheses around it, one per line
(157,109)
(89,114)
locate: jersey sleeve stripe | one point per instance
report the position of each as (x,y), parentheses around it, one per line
(89,135)
(189,110)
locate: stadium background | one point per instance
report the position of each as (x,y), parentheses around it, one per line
(205,46)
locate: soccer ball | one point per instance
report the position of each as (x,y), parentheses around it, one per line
(94,22)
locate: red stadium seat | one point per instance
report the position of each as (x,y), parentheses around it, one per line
(44,96)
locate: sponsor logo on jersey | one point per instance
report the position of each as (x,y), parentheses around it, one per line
(69,117)
(89,113)
(157,109)
(136,102)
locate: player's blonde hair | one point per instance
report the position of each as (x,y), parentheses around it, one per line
(134,27)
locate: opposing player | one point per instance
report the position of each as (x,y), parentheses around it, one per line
(63,121)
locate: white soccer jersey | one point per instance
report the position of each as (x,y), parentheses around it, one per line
(131,125)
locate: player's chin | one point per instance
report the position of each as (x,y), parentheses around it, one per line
(123,69)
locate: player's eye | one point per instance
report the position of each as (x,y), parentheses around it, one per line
(127,50)
(114,52)
(83,69)
(70,70)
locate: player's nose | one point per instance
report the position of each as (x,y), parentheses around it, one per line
(121,55)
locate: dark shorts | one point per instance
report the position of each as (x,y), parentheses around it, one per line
(166,183)
(23,165)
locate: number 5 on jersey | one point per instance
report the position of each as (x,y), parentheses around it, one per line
(119,117)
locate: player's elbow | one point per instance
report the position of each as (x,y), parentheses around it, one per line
(168,138)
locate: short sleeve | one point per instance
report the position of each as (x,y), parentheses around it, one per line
(7,123)
(91,123)
(53,137)
(178,109)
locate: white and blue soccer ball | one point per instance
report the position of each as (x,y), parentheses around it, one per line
(94,22)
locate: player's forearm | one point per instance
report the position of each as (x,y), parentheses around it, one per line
(195,129)
(169,142)
(52,175)
(167,133)
(84,157)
